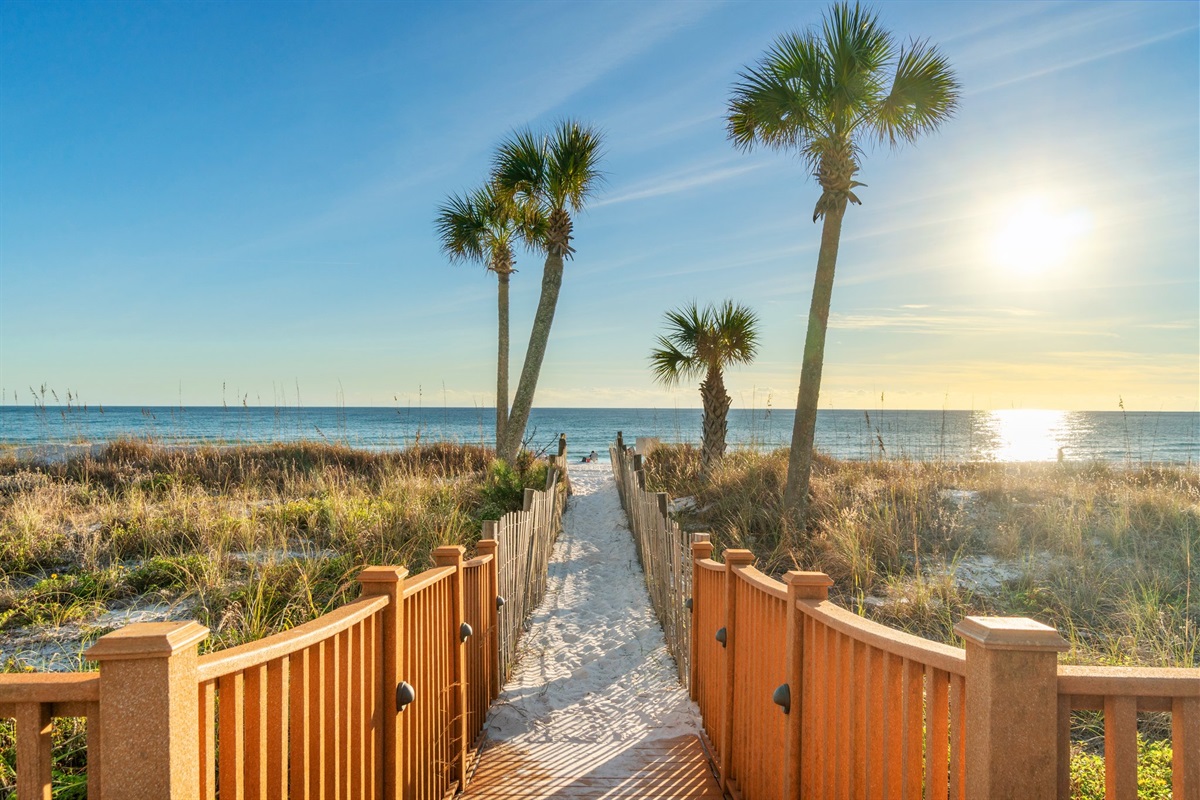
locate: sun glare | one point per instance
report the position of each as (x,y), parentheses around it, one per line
(1025,435)
(1035,236)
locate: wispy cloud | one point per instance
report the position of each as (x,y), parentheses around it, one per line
(677,181)
(961,321)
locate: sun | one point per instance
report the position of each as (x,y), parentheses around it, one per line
(1035,236)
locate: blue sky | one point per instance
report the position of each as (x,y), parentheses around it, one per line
(203,202)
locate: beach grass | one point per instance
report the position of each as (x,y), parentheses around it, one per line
(247,540)
(1105,554)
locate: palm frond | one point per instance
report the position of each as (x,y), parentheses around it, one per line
(857,49)
(670,365)
(777,103)
(573,172)
(519,168)
(924,94)
(460,230)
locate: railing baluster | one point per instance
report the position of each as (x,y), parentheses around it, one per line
(937,733)
(1120,747)
(277,729)
(208,743)
(255,680)
(231,741)
(34,756)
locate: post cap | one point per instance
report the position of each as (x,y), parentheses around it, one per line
(701,538)
(485,546)
(448,554)
(147,640)
(1010,633)
(739,557)
(382,575)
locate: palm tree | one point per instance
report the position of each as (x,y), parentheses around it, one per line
(550,178)
(482,228)
(825,94)
(704,342)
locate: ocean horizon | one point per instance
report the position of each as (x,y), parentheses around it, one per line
(1141,437)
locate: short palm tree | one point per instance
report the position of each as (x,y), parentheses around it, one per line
(550,178)
(704,342)
(825,94)
(482,227)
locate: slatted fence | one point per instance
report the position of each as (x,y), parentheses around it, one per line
(662,549)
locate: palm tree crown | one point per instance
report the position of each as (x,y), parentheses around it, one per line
(550,176)
(826,93)
(480,227)
(702,339)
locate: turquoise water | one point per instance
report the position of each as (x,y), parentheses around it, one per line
(1114,436)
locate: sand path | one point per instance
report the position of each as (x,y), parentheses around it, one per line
(594,683)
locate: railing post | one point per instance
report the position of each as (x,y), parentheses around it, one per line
(1011,707)
(733,559)
(620,443)
(452,556)
(701,549)
(389,582)
(488,546)
(149,710)
(801,586)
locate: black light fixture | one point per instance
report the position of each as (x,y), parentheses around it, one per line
(500,601)
(464,631)
(783,698)
(688,604)
(405,694)
(722,636)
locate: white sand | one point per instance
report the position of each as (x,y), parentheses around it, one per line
(593,675)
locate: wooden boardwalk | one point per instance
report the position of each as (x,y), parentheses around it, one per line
(664,769)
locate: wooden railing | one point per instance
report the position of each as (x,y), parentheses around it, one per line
(662,549)
(381,698)
(802,698)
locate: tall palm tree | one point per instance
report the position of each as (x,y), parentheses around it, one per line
(550,177)
(482,227)
(704,342)
(825,94)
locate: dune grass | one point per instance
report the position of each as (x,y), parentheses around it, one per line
(248,540)
(1105,554)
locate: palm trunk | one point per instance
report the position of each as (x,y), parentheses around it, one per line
(514,429)
(502,358)
(800,460)
(716,412)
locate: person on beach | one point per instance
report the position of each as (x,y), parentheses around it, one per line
(590,458)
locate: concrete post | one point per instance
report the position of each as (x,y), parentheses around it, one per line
(1011,707)
(389,582)
(149,710)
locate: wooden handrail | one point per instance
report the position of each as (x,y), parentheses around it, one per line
(426,579)
(50,687)
(1128,681)
(898,643)
(764,583)
(253,654)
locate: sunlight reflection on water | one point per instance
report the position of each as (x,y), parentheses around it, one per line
(1025,435)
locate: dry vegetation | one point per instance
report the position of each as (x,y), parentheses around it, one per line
(1109,556)
(248,540)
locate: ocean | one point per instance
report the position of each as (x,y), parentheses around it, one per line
(1008,435)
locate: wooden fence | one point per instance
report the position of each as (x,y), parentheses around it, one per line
(662,549)
(802,698)
(381,698)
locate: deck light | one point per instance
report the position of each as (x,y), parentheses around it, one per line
(722,636)
(783,698)
(464,631)
(688,604)
(500,601)
(405,694)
